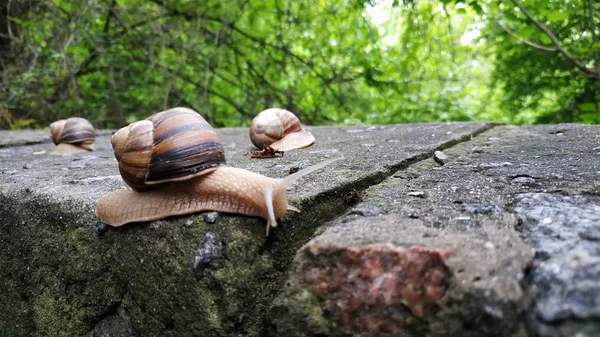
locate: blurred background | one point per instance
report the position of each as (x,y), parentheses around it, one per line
(328,61)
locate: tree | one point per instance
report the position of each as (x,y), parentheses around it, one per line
(546,58)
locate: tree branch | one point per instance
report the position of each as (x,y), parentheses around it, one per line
(594,35)
(556,42)
(527,42)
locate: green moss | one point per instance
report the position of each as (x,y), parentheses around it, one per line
(54,316)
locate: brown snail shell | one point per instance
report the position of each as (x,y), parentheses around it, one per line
(72,135)
(178,144)
(172,145)
(280,129)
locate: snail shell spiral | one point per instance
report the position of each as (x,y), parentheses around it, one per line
(71,135)
(279,129)
(172,145)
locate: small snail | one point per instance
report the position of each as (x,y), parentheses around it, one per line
(280,129)
(174,163)
(72,135)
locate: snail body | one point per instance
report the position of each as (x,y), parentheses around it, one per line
(72,135)
(280,129)
(197,185)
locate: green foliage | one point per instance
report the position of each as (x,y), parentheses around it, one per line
(331,62)
(539,83)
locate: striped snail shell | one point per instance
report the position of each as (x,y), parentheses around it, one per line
(172,145)
(72,135)
(178,144)
(280,129)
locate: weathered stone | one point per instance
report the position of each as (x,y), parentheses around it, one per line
(566,274)
(368,288)
(367,211)
(210,255)
(336,280)
(60,277)
(210,217)
(116,324)
(475,209)
(440,157)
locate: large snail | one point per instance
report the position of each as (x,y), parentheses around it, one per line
(174,163)
(280,129)
(72,135)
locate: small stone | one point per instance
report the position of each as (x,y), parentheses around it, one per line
(417,194)
(101,228)
(367,211)
(477,149)
(188,222)
(483,208)
(523,181)
(210,217)
(485,166)
(440,157)
(117,324)
(27,166)
(209,255)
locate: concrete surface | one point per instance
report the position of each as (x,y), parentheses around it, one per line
(496,234)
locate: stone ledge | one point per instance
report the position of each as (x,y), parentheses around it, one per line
(65,280)
(492,202)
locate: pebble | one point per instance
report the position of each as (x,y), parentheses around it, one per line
(27,166)
(210,217)
(418,194)
(209,255)
(523,181)
(483,208)
(477,149)
(367,211)
(440,157)
(101,228)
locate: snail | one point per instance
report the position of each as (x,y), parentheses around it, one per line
(175,165)
(72,135)
(280,129)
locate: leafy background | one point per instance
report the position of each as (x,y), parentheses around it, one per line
(329,61)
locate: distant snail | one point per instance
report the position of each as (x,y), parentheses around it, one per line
(174,163)
(280,129)
(72,135)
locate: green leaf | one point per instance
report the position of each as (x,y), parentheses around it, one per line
(557,16)
(545,39)
(587,107)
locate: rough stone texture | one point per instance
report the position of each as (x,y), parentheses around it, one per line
(500,197)
(566,232)
(65,275)
(368,288)
(501,240)
(491,260)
